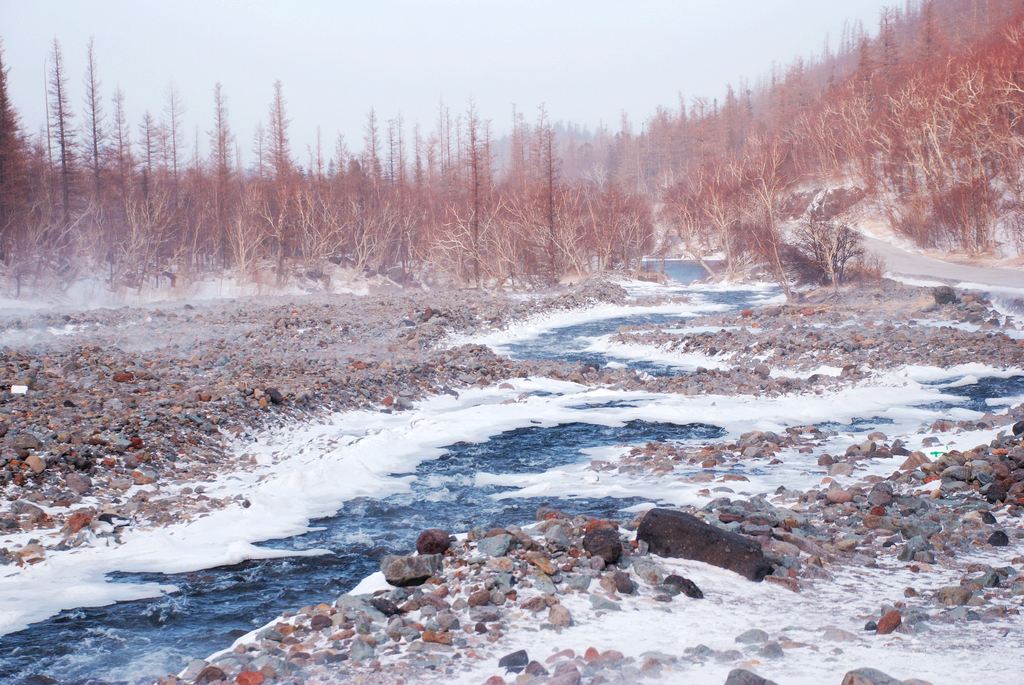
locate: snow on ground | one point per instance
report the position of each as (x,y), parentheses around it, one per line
(655,354)
(534,326)
(733,605)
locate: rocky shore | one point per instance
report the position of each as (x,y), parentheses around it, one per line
(125,413)
(451,606)
(128,412)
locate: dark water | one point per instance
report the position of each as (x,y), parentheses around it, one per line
(134,642)
(975,395)
(570,342)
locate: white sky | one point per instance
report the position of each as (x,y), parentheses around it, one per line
(588,60)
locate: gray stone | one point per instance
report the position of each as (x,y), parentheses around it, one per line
(752,637)
(406,571)
(603,604)
(914,545)
(557,538)
(495,546)
(78,482)
(869,676)
(361,651)
(739,676)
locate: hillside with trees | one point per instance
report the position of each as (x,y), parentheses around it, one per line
(919,125)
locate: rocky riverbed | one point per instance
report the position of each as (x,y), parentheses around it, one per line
(130,414)
(452,607)
(122,415)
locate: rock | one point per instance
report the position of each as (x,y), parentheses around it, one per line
(740,676)
(144,476)
(433,541)
(78,482)
(557,537)
(685,586)
(914,546)
(753,636)
(479,598)
(361,651)
(436,637)
(210,674)
(275,395)
(494,546)
(194,668)
(559,616)
(407,571)
(676,534)
(35,463)
(834,634)
(999,539)
(250,678)
(623,583)
(1018,428)
(880,495)
(838,495)
(954,595)
(869,676)
(77,521)
(943,294)
(24,442)
(319,622)
(603,543)
(889,622)
(385,606)
(600,603)
(542,562)
(514,662)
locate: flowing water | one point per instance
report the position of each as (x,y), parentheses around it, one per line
(134,642)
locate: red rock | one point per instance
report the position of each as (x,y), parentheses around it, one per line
(250,678)
(788,583)
(433,541)
(441,638)
(124,377)
(747,313)
(591,654)
(495,680)
(78,521)
(890,622)
(600,524)
(480,598)
(564,654)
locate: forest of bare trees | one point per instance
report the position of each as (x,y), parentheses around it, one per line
(924,118)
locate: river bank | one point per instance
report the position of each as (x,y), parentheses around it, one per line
(679,374)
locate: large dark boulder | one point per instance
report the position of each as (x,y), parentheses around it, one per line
(671,533)
(433,541)
(603,543)
(943,294)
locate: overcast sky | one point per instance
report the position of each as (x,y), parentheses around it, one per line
(588,60)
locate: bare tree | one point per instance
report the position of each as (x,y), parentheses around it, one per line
(60,111)
(94,117)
